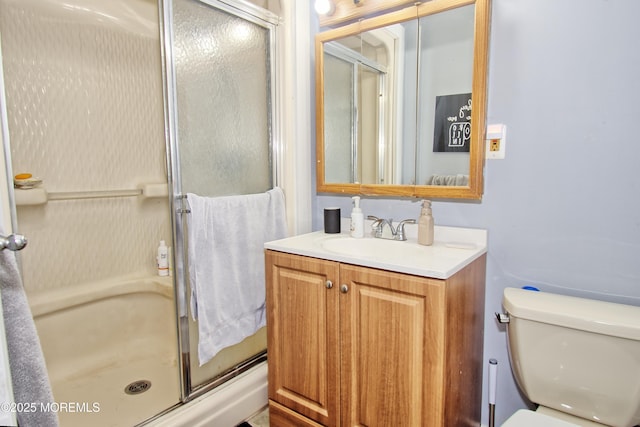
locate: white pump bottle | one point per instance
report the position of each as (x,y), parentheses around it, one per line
(163,259)
(357,219)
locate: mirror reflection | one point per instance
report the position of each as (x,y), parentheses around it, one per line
(397,105)
(369,105)
(444,97)
(396,102)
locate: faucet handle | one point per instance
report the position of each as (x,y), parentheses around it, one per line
(376,226)
(400,229)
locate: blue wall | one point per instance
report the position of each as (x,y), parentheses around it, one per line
(563,208)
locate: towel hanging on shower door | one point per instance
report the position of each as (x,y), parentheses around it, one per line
(226,264)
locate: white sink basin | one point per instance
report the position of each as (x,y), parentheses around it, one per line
(370,247)
(452,249)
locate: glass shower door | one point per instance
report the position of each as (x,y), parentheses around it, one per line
(221,103)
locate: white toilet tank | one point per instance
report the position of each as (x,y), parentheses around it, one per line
(575,355)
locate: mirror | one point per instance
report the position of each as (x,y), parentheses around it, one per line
(401,102)
(369,76)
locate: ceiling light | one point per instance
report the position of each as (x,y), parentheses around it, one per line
(325,7)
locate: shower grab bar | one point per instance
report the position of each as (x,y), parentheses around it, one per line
(96,194)
(40,196)
(13,242)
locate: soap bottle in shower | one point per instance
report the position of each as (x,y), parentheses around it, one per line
(425,224)
(163,259)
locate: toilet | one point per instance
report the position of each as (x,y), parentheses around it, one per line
(577,359)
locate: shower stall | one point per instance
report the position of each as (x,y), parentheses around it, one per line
(117,109)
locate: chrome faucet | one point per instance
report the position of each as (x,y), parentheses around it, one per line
(396,233)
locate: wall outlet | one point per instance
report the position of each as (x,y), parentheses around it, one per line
(496,141)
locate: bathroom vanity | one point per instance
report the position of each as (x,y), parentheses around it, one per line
(376,332)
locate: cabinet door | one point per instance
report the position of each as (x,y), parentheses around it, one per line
(302,335)
(392,348)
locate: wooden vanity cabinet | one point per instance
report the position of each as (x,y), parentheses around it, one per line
(358,346)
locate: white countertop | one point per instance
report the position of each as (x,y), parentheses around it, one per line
(453,249)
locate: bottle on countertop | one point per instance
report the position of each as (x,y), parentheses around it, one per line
(425,224)
(357,219)
(163,259)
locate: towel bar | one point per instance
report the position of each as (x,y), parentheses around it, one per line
(13,242)
(184,198)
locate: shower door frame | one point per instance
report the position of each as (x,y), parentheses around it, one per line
(269,21)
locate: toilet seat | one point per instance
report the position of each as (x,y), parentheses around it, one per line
(526,418)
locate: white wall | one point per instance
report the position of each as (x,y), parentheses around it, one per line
(85,113)
(562,209)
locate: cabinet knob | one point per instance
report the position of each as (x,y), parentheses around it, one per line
(329,284)
(344,289)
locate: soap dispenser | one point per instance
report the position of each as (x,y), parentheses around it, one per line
(425,224)
(357,219)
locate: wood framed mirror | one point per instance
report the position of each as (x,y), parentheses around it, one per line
(401,102)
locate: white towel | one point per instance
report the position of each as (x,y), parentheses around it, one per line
(226,264)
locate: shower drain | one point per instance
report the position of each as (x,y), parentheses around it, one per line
(138,387)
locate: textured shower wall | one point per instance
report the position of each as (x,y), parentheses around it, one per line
(85,108)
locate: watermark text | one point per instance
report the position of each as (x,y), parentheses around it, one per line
(57,407)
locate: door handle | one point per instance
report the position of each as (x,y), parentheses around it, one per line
(13,242)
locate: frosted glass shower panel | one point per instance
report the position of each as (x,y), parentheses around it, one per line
(223,94)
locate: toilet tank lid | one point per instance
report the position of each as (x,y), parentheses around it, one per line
(602,317)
